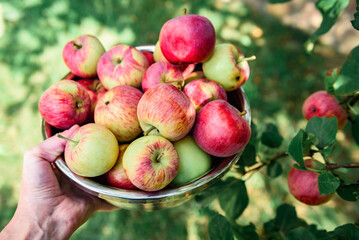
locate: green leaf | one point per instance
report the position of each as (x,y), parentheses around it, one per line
(278,1)
(327,183)
(347,81)
(248,157)
(286,217)
(300,233)
(325,129)
(346,232)
(355,22)
(295,148)
(271,136)
(330,79)
(245,232)
(234,198)
(355,129)
(274,169)
(349,192)
(331,10)
(219,228)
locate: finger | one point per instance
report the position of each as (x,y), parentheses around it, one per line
(51,148)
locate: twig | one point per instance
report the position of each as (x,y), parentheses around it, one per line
(279,155)
(331,166)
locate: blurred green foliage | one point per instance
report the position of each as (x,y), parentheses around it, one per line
(33,33)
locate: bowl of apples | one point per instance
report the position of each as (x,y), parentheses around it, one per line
(157,124)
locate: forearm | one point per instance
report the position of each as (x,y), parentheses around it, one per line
(22,226)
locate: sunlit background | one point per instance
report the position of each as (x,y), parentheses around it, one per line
(33,33)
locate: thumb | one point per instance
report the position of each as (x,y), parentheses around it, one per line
(51,148)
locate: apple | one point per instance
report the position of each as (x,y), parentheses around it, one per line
(194,162)
(187,39)
(220,129)
(165,110)
(151,162)
(117,110)
(162,72)
(91,151)
(227,66)
(82,54)
(193,76)
(64,104)
(117,177)
(149,56)
(303,185)
(202,91)
(95,90)
(158,55)
(122,65)
(323,104)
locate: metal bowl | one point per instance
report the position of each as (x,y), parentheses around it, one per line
(168,197)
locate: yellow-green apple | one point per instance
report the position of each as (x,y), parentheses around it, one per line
(117,177)
(227,66)
(122,65)
(303,185)
(117,110)
(82,54)
(194,162)
(158,55)
(187,39)
(91,150)
(162,72)
(323,104)
(165,110)
(64,104)
(151,162)
(95,90)
(202,91)
(220,129)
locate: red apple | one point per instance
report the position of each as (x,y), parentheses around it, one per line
(117,177)
(323,104)
(95,90)
(64,104)
(122,65)
(117,110)
(149,56)
(220,130)
(165,110)
(82,54)
(162,72)
(187,39)
(151,162)
(91,151)
(202,91)
(303,185)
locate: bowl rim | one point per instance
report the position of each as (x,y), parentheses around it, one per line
(189,189)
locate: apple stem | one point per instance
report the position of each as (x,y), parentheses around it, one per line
(251,58)
(184,11)
(77,45)
(244,112)
(67,139)
(149,130)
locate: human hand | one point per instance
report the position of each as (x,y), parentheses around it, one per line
(49,206)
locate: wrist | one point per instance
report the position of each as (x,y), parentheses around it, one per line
(24,225)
